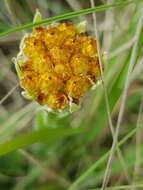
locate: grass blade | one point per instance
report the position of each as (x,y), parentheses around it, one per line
(124,96)
(67,16)
(45,135)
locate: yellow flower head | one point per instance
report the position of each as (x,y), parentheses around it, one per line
(57,64)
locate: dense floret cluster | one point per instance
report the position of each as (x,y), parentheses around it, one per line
(57,65)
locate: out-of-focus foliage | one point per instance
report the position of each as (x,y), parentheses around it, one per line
(79,141)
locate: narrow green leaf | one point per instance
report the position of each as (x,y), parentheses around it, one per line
(45,135)
(67,16)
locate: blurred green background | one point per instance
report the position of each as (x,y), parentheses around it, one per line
(42,150)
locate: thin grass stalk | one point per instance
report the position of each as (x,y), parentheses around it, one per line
(103,158)
(9,93)
(123,101)
(120,156)
(138,142)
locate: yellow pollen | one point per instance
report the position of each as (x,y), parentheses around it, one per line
(60,65)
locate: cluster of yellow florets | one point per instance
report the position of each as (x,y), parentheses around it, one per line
(59,64)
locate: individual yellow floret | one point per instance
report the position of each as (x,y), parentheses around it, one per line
(77,86)
(80,64)
(57,101)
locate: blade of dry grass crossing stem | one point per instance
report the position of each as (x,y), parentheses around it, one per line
(9,93)
(101,70)
(121,159)
(11,124)
(123,100)
(112,79)
(103,158)
(67,16)
(114,84)
(48,135)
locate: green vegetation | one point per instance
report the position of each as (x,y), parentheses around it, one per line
(42,150)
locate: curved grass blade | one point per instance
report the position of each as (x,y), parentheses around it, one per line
(45,135)
(67,16)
